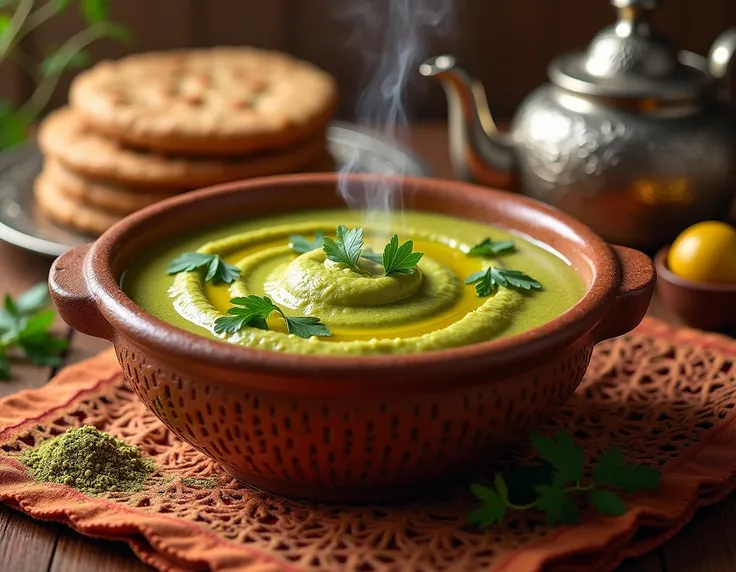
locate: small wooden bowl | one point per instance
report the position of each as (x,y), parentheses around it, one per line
(699,305)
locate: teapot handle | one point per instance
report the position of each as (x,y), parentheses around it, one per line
(720,58)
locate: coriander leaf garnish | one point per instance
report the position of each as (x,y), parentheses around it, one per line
(566,458)
(346,248)
(487,281)
(25,326)
(248,311)
(301,244)
(254,311)
(306,326)
(399,259)
(557,479)
(217,269)
(612,470)
(489,248)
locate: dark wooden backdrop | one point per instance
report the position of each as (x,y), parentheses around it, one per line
(507,43)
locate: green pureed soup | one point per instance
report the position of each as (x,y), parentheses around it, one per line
(369,304)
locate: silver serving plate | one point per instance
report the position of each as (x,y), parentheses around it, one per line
(23,226)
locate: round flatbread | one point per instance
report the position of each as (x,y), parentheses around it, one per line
(218,101)
(65,136)
(117,199)
(63,210)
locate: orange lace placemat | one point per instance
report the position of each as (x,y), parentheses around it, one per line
(665,395)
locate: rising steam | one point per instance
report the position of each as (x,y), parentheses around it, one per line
(392,37)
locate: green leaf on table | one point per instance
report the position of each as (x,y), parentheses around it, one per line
(557,505)
(488,248)
(34,299)
(607,502)
(95,11)
(562,453)
(4,368)
(399,259)
(523,479)
(217,269)
(301,244)
(26,326)
(493,509)
(488,281)
(346,247)
(612,470)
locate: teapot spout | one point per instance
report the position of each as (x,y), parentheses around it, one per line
(480,153)
(721,59)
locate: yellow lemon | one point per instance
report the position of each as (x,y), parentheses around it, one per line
(705,252)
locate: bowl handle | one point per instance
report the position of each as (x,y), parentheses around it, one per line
(68,288)
(638,278)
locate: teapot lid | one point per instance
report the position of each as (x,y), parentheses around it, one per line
(630,60)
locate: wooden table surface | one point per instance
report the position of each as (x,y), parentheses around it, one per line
(707,544)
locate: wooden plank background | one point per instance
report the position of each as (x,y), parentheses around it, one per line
(506,43)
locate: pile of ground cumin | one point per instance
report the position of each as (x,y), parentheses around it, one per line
(90,461)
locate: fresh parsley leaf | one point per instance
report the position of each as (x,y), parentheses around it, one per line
(38,324)
(490,249)
(301,244)
(551,486)
(254,311)
(399,259)
(493,509)
(4,368)
(612,470)
(522,480)
(607,502)
(259,305)
(10,308)
(217,269)
(346,248)
(25,325)
(567,459)
(33,299)
(372,256)
(557,505)
(249,311)
(488,281)
(306,327)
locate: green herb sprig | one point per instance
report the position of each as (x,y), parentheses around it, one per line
(487,281)
(488,248)
(399,259)
(217,269)
(557,479)
(301,244)
(347,249)
(25,325)
(254,311)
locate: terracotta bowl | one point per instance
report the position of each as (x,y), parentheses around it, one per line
(704,306)
(369,428)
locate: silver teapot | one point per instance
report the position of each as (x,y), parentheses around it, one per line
(632,137)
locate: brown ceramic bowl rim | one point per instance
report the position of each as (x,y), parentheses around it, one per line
(664,273)
(132,321)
